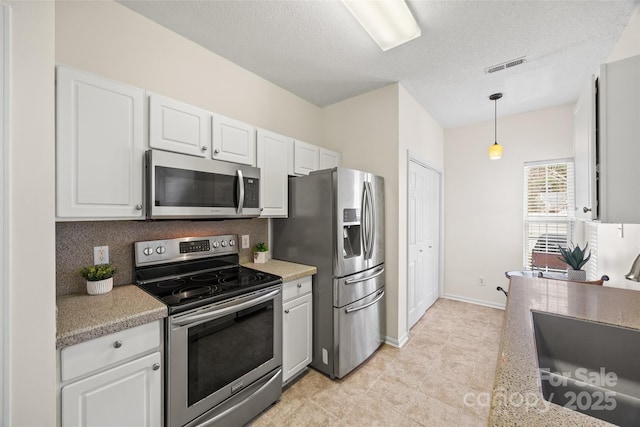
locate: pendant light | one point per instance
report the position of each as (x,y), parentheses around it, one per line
(495,151)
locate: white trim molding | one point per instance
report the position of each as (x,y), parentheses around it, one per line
(397,343)
(476,301)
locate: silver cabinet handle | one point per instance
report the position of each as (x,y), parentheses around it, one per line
(299,285)
(117,344)
(286,311)
(204,148)
(155,366)
(586,209)
(139,207)
(216,151)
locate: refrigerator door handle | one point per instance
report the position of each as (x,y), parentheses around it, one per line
(371,222)
(379,297)
(378,272)
(365,225)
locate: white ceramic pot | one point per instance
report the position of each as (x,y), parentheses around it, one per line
(576,275)
(260,257)
(99,286)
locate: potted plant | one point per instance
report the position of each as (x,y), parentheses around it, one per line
(260,253)
(99,278)
(574,257)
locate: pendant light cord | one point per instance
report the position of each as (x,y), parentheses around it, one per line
(495,121)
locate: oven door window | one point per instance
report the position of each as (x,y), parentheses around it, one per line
(180,187)
(223,350)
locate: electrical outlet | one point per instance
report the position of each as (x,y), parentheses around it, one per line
(101,255)
(245,241)
(480,281)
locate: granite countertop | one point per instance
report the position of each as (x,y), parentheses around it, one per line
(287,270)
(516,374)
(82,317)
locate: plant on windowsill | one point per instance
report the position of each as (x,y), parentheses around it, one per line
(260,253)
(574,257)
(99,278)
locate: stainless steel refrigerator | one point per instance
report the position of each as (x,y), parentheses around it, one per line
(336,223)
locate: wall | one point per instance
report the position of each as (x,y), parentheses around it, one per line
(423,137)
(32,240)
(109,39)
(483,204)
(75,242)
(365,129)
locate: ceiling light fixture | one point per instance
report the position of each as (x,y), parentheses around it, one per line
(389,22)
(495,151)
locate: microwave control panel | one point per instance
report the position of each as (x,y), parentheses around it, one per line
(251,193)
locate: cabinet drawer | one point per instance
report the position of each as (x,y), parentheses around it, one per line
(99,353)
(296,288)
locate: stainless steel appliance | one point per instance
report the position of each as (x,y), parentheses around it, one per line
(224,330)
(181,186)
(336,222)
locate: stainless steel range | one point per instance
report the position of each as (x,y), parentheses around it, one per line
(224,330)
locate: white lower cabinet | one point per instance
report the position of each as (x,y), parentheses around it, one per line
(297,327)
(114,380)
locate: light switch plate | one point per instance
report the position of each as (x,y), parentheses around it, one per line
(245,241)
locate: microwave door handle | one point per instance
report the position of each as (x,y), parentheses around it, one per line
(240,189)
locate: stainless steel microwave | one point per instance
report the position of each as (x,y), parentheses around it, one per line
(181,186)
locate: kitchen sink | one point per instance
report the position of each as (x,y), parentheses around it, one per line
(590,367)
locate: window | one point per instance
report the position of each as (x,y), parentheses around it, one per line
(548,213)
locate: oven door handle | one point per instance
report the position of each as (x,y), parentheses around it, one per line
(225,309)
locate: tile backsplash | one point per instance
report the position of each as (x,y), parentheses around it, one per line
(75,242)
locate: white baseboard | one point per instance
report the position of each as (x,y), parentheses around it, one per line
(476,301)
(397,343)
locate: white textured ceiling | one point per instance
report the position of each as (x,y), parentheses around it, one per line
(317,50)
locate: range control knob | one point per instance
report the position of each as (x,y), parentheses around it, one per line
(215,244)
(147,251)
(161,249)
(232,242)
(224,243)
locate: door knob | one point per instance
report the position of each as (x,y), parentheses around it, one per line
(139,207)
(216,151)
(204,148)
(117,344)
(586,209)
(155,366)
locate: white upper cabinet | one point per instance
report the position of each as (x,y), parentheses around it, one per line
(178,127)
(306,158)
(584,153)
(619,150)
(272,159)
(329,159)
(233,141)
(99,147)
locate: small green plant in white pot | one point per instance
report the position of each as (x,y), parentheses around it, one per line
(574,257)
(99,278)
(260,253)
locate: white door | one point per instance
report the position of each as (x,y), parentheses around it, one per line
(423,240)
(272,159)
(306,158)
(99,147)
(296,335)
(329,159)
(233,141)
(584,153)
(179,127)
(127,395)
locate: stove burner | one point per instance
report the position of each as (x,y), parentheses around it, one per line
(205,277)
(192,292)
(238,280)
(171,283)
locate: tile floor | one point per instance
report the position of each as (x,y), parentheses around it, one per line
(450,356)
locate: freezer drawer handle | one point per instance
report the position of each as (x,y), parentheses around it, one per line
(364,279)
(351,310)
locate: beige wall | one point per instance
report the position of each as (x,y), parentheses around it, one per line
(422,137)
(109,39)
(483,204)
(32,180)
(374,132)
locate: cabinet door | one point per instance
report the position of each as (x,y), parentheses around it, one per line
(179,127)
(306,158)
(272,161)
(329,159)
(99,147)
(584,153)
(619,150)
(296,337)
(127,395)
(233,141)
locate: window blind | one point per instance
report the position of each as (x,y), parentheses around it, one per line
(548,213)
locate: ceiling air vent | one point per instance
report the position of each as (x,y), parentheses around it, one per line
(504,65)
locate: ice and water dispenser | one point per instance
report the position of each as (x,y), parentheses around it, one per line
(351,233)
